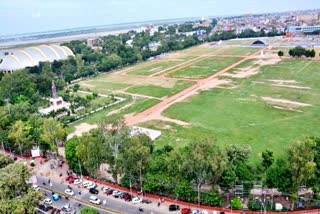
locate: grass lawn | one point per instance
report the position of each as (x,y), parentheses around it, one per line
(158,91)
(138,105)
(155,67)
(203,68)
(100,86)
(240,116)
(238,51)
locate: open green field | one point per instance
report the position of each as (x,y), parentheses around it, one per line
(238,51)
(155,67)
(241,116)
(99,86)
(203,68)
(134,106)
(158,91)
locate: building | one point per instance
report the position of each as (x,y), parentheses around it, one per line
(302,29)
(308,17)
(31,56)
(260,42)
(91,42)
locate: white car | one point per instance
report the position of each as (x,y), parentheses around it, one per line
(69,192)
(85,184)
(77,181)
(116,193)
(47,201)
(92,185)
(136,200)
(105,189)
(95,200)
(66,208)
(196,212)
(36,187)
(204,212)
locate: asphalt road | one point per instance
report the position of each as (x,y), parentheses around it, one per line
(112,204)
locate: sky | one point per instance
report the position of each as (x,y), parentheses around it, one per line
(25,16)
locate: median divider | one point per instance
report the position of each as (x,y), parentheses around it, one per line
(82,201)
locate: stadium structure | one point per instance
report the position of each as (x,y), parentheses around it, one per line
(31,56)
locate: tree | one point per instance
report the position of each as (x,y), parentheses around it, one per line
(185,190)
(280,53)
(279,176)
(236,203)
(201,161)
(267,159)
(5,160)
(238,153)
(71,156)
(301,159)
(16,195)
(115,135)
(136,156)
(312,53)
(53,133)
(89,210)
(90,151)
(20,134)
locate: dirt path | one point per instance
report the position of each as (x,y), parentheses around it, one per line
(164,104)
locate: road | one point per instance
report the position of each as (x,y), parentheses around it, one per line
(113,205)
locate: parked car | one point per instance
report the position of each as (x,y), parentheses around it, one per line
(66,208)
(186,211)
(94,191)
(92,185)
(127,197)
(44,207)
(85,184)
(77,181)
(146,201)
(136,200)
(105,189)
(174,207)
(109,192)
(94,200)
(196,212)
(70,179)
(69,192)
(36,187)
(47,201)
(116,193)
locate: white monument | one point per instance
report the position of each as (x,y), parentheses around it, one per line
(262,54)
(56,102)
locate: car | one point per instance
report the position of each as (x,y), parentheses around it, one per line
(69,177)
(69,192)
(55,197)
(126,196)
(66,208)
(95,200)
(105,189)
(136,200)
(196,212)
(77,181)
(36,187)
(186,211)
(146,201)
(91,185)
(47,201)
(109,192)
(44,207)
(116,193)
(85,184)
(174,207)
(94,191)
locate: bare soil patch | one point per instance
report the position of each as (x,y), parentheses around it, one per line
(81,128)
(286,104)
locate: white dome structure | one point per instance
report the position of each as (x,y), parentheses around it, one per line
(31,56)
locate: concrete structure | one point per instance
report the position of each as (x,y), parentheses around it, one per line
(152,134)
(91,42)
(260,42)
(302,29)
(31,56)
(56,102)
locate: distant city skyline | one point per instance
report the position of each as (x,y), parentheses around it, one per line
(25,16)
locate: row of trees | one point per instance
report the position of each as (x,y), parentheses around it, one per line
(299,52)
(17,196)
(183,172)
